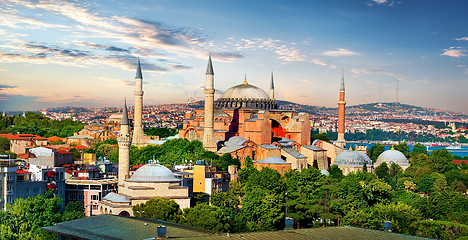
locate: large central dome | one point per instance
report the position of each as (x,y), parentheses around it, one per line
(245,96)
(245,91)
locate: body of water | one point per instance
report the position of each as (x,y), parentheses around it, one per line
(462,152)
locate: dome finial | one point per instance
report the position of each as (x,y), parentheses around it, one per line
(245,79)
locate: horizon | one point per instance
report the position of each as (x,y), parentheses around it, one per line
(84,53)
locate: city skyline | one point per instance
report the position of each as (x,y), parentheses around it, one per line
(68,53)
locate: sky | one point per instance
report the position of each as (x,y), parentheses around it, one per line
(84,53)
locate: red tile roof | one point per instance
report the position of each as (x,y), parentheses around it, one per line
(81,147)
(22,172)
(459,162)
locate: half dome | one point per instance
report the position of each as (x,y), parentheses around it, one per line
(153,173)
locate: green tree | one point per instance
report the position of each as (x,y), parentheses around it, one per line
(4,143)
(165,209)
(25,218)
(321,136)
(403,148)
(418,149)
(73,210)
(440,160)
(375,151)
(335,172)
(206,217)
(382,171)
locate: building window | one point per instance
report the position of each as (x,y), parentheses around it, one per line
(80,197)
(94,197)
(9,188)
(72,196)
(94,207)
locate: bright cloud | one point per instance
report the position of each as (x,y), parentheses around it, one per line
(340,52)
(462,39)
(283,49)
(454,52)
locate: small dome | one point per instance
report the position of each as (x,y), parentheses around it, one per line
(352,158)
(153,173)
(235,141)
(116,198)
(245,91)
(392,156)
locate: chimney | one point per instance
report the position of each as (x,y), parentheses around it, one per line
(161,231)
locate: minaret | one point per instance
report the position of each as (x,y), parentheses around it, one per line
(272,87)
(138,134)
(208,132)
(124,141)
(341,114)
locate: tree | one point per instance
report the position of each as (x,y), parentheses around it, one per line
(25,218)
(73,210)
(335,172)
(403,148)
(4,143)
(321,136)
(382,171)
(419,149)
(206,217)
(225,160)
(164,209)
(248,162)
(315,164)
(364,167)
(375,151)
(440,160)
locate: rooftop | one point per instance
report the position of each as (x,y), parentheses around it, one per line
(118,227)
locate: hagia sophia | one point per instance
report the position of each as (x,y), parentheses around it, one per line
(244,122)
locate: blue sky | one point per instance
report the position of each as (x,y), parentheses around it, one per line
(83,53)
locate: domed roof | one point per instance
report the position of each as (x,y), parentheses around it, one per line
(273,160)
(352,158)
(245,91)
(153,173)
(392,156)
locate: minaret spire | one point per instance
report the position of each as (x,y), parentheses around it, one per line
(341,114)
(124,139)
(342,87)
(139,138)
(209,68)
(272,87)
(138,72)
(208,132)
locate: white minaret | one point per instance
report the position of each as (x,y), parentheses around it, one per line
(208,133)
(272,87)
(124,141)
(139,138)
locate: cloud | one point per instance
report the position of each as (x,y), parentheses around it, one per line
(319,62)
(454,52)
(12,19)
(103,47)
(389,3)
(2,86)
(362,71)
(226,56)
(284,50)
(462,39)
(340,52)
(180,67)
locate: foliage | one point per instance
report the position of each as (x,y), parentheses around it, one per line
(375,151)
(440,160)
(224,161)
(73,210)
(403,148)
(205,216)
(439,229)
(335,172)
(25,218)
(4,143)
(35,123)
(165,209)
(321,136)
(161,132)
